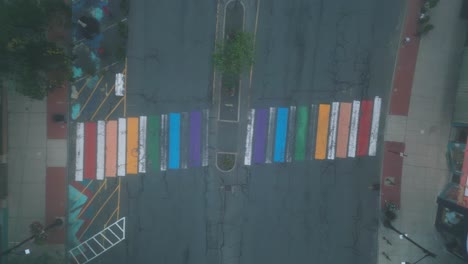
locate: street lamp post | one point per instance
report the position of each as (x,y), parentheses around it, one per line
(427,253)
(423,257)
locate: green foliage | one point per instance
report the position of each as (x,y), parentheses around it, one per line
(235,54)
(36,65)
(226,161)
(124,7)
(123,30)
(431,3)
(424,29)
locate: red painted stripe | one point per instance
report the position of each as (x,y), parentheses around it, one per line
(90,151)
(55,201)
(364,128)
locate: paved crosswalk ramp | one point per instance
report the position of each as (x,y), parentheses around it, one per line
(321,132)
(133,145)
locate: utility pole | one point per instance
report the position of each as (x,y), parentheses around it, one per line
(427,253)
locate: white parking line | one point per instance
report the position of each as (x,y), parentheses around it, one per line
(375,126)
(333,128)
(249,139)
(206,116)
(122,148)
(270,138)
(353,129)
(100,152)
(142,145)
(79,152)
(164,140)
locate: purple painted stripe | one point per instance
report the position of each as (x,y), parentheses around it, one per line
(260,135)
(195,139)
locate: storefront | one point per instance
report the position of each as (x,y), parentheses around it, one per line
(452,221)
(452,210)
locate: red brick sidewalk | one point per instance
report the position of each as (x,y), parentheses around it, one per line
(400,100)
(56,176)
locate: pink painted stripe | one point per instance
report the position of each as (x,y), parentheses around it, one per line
(343,130)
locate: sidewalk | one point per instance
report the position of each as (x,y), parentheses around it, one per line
(419,126)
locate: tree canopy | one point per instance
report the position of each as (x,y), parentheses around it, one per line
(36,64)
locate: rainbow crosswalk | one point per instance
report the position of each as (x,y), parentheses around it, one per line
(323,131)
(129,145)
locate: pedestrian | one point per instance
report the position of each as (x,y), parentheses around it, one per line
(406,41)
(374,187)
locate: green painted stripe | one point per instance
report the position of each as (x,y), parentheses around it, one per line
(154,123)
(301,132)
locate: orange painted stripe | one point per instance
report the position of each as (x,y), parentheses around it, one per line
(132,145)
(343,130)
(322,131)
(111,148)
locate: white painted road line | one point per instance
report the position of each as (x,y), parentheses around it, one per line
(164,140)
(122,147)
(375,126)
(206,116)
(270,137)
(249,139)
(142,145)
(79,152)
(353,129)
(100,151)
(291,134)
(333,128)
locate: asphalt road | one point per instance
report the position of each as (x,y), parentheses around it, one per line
(307,51)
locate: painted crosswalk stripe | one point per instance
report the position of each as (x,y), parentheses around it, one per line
(260,135)
(153,134)
(132,145)
(322,131)
(301,133)
(79,152)
(343,130)
(90,150)
(195,139)
(174,140)
(249,137)
(280,134)
(364,128)
(142,145)
(375,126)
(354,129)
(164,141)
(111,148)
(205,132)
(291,134)
(184,140)
(333,128)
(101,141)
(122,146)
(271,135)
(312,133)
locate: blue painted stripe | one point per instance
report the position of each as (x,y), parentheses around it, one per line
(281,131)
(174,141)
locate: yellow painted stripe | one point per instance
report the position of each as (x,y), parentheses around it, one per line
(132,145)
(322,131)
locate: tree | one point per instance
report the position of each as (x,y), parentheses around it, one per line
(235,54)
(35,64)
